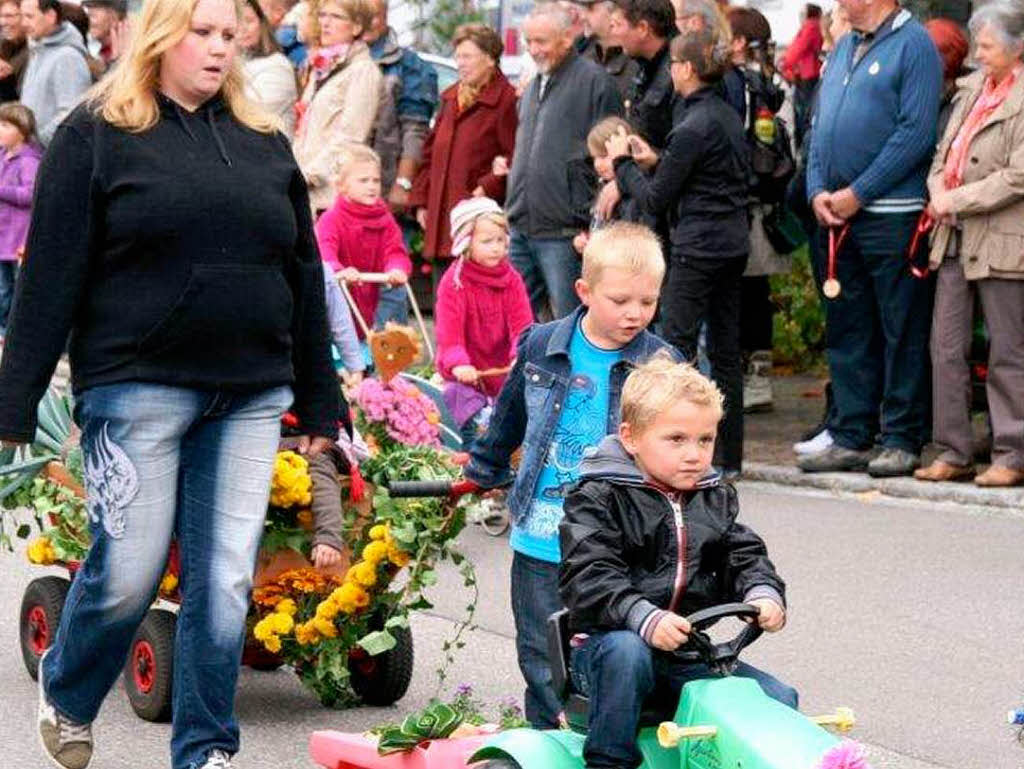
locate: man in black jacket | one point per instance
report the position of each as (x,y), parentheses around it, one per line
(595,44)
(649,536)
(548,192)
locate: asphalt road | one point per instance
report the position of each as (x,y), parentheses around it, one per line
(906,613)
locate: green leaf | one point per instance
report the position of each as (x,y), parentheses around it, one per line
(377,642)
(23,531)
(428,577)
(399,620)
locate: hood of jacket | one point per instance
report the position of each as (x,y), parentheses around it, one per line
(609,461)
(385,49)
(212,112)
(65,34)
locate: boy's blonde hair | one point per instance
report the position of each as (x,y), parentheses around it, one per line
(602,131)
(659,383)
(631,247)
(350,155)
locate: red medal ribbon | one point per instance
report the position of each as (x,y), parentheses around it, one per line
(924,226)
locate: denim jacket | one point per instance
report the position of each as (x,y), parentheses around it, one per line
(529,406)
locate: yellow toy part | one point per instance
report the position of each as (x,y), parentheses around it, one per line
(670,734)
(843,720)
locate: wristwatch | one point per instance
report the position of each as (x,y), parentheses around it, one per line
(404,183)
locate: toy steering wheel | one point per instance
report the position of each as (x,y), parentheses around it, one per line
(720,657)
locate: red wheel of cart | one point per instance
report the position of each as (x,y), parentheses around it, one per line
(41,608)
(149,669)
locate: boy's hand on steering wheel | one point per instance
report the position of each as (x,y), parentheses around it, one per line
(671,632)
(772,617)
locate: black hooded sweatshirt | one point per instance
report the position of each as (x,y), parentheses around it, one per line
(181,255)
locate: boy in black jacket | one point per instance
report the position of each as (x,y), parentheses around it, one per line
(649,536)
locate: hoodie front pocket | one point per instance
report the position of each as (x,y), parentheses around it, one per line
(226,315)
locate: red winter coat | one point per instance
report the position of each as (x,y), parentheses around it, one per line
(457,157)
(365,237)
(801,61)
(479,322)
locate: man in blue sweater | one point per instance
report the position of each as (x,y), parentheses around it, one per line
(873,139)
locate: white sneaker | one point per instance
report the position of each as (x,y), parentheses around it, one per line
(67,744)
(757,393)
(819,442)
(217,759)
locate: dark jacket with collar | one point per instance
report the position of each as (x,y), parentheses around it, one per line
(616,63)
(701,181)
(621,537)
(182,255)
(552,142)
(530,403)
(653,102)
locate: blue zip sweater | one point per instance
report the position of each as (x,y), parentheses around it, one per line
(874,129)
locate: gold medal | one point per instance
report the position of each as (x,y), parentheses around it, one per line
(831,288)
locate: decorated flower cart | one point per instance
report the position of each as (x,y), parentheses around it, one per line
(344,630)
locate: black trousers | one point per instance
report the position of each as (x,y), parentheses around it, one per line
(709,289)
(757,315)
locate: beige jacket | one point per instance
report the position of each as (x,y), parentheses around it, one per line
(341,110)
(270,81)
(989,205)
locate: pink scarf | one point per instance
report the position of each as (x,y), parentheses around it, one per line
(992,96)
(321,64)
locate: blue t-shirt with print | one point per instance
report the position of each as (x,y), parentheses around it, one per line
(583,422)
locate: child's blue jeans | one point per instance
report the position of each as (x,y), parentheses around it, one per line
(162,461)
(618,671)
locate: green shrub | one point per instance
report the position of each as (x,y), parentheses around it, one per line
(799,324)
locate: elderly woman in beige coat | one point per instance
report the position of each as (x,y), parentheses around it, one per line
(977,190)
(343,92)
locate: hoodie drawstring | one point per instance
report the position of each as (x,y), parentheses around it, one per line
(216,138)
(213,130)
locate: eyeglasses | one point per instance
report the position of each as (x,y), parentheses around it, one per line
(323,15)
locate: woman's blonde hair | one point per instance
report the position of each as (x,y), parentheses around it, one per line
(127,97)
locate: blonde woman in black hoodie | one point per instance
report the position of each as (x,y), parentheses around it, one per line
(172,241)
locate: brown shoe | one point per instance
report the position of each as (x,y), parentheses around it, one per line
(944,471)
(1000,475)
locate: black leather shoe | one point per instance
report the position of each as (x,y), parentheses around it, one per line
(894,462)
(835,459)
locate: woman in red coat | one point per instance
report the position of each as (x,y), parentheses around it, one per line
(801,65)
(476,123)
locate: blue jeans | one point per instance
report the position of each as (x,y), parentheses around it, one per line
(8,274)
(393,305)
(618,671)
(549,267)
(159,462)
(534,599)
(877,333)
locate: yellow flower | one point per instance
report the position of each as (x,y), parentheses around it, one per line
(350,597)
(397,556)
(291,484)
(327,609)
(168,583)
(375,552)
(273,644)
(325,627)
(41,551)
(306,634)
(264,629)
(286,606)
(378,532)
(282,623)
(363,573)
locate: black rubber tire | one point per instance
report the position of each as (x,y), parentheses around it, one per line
(497,763)
(48,595)
(154,703)
(383,680)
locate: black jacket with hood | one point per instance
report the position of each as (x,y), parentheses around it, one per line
(181,255)
(621,538)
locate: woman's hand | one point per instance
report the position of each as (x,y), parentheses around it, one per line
(642,153)
(466,374)
(396,277)
(617,145)
(607,199)
(499,166)
(580,241)
(479,192)
(941,206)
(324,556)
(421,218)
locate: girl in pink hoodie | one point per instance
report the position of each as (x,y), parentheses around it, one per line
(359,234)
(482,307)
(19,161)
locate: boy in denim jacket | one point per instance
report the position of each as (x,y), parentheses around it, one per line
(561,397)
(650,535)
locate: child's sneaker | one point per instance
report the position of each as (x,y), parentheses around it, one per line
(67,743)
(217,759)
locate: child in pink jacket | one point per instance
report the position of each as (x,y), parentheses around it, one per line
(359,234)
(482,308)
